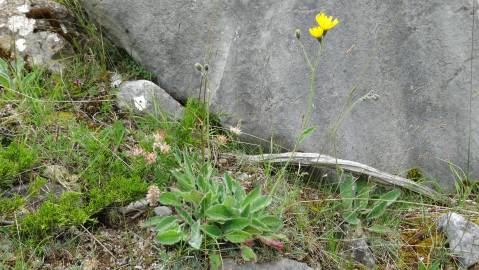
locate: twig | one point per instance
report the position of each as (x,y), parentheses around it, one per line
(98,241)
(352,166)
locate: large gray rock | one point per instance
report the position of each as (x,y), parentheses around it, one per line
(463,237)
(415,55)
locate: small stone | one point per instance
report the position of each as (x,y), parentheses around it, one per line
(223,161)
(162,211)
(463,237)
(357,247)
(283,264)
(243,176)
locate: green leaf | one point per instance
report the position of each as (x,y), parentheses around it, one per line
(193,197)
(184,181)
(185,215)
(229,183)
(351,217)
(346,190)
(196,237)
(260,203)
(421,266)
(246,211)
(253,230)
(384,201)
(259,225)
(218,212)
(19,67)
(207,171)
(170,198)
(381,229)
(240,194)
(391,196)
(170,237)
(211,230)
(219,193)
(203,185)
(378,210)
(215,260)
(237,236)
(272,222)
(306,133)
(362,194)
(161,223)
(252,196)
(4,74)
(229,201)
(236,224)
(248,254)
(204,204)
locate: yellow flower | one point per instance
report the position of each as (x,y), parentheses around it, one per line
(316,32)
(326,22)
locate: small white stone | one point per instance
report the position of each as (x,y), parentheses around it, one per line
(23,8)
(140,102)
(20,44)
(2,2)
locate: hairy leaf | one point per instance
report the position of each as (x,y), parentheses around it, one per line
(162,223)
(236,224)
(252,196)
(248,254)
(237,236)
(272,222)
(346,189)
(211,230)
(215,260)
(218,212)
(260,203)
(195,235)
(170,198)
(169,237)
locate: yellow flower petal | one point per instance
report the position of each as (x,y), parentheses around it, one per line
(326,22)
(316,32)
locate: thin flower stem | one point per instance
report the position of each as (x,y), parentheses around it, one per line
(306,55)
(312,83)
(320,53)
(307,116)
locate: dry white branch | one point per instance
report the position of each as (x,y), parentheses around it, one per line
(321,160)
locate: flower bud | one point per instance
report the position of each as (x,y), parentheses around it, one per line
(207,67)
(199,67)
(297,33)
